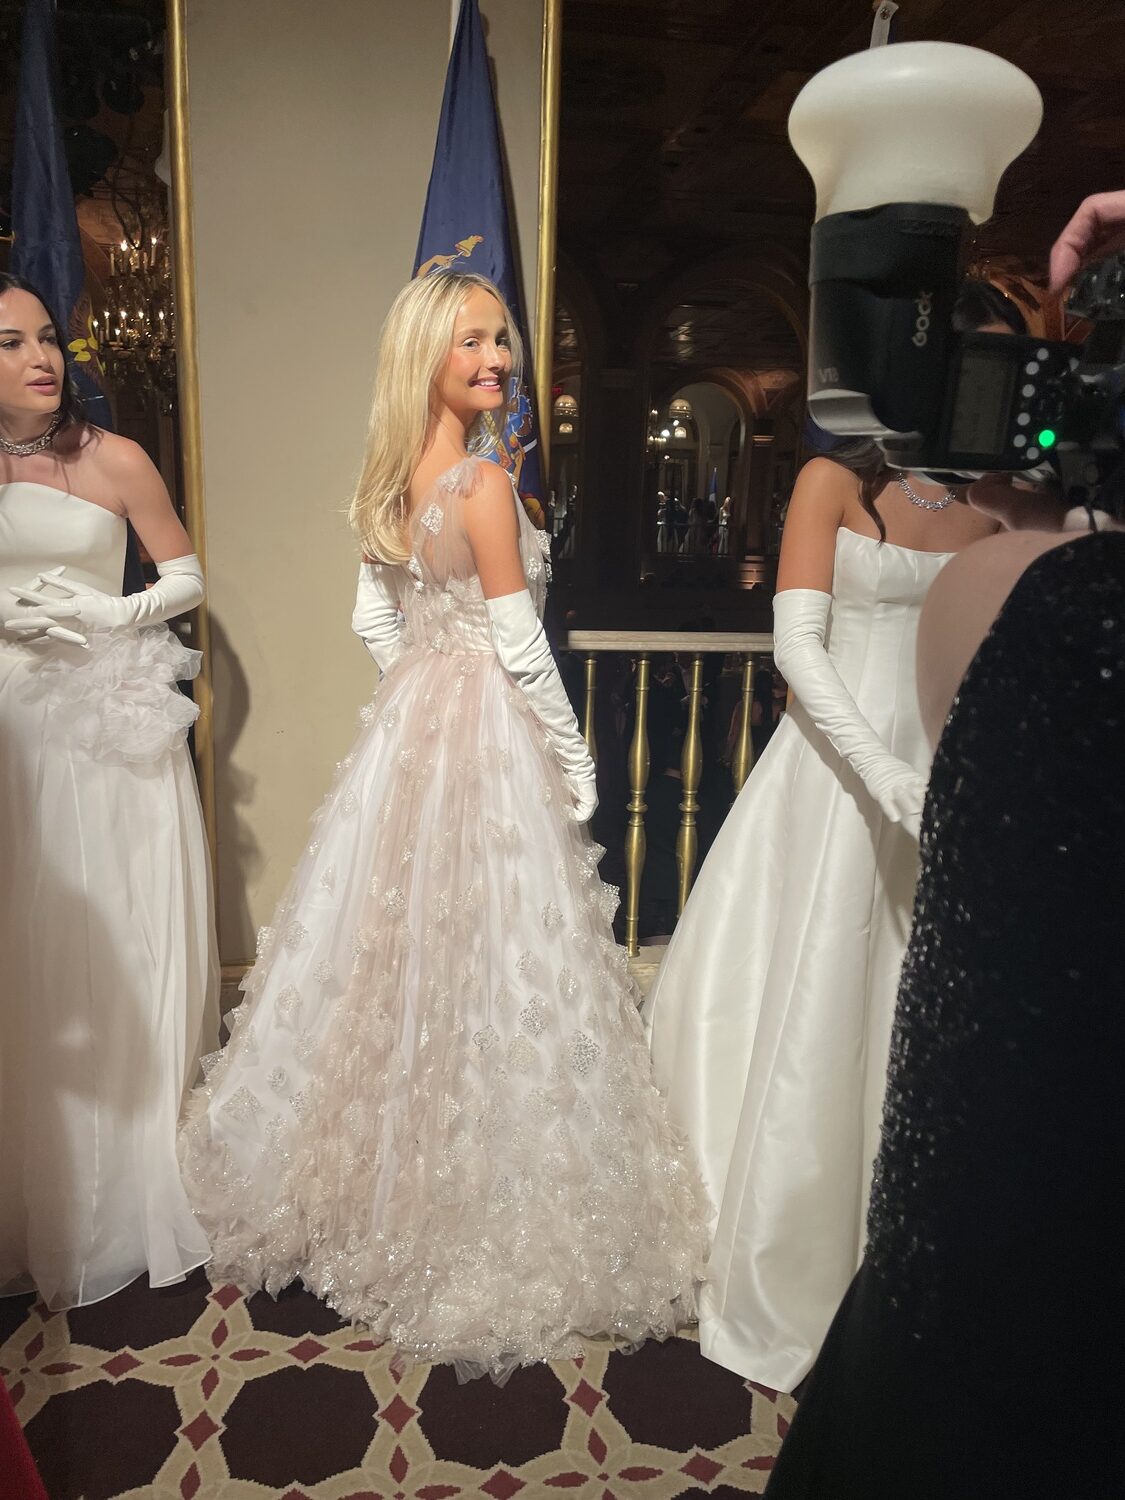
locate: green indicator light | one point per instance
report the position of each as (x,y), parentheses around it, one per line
(1047,438)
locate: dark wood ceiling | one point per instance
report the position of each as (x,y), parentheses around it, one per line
(674,150)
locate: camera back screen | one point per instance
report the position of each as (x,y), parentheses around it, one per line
(982,402)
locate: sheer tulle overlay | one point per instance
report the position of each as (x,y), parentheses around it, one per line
(106,939)
(436,1107)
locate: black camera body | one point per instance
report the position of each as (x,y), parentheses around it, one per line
(884,361)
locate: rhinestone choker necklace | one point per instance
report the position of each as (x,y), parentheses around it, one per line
(36,445)
(920,500)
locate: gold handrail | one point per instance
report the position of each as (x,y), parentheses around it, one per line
(732,642)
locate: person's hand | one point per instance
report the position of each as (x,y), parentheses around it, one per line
(39,616)
(1097,228)
(900,792)
(1017,502)
(86,607)
(179,587)
(583,783)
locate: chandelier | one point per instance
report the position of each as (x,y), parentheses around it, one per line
(136,327)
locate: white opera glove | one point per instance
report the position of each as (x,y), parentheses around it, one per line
(30,625)
(375,618)
(800,624)
(62,609)
(521,645)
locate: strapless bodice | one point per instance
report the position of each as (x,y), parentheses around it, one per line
(41,527)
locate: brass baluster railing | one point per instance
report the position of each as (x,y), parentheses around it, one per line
(742,761)
(643,644)
(691,773)
(635,844)
(588,731)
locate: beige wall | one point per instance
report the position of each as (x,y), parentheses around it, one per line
(312,131)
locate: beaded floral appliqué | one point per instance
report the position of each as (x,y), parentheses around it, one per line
(432,518)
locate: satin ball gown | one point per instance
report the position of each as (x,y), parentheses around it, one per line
(770,1016)
(106,928)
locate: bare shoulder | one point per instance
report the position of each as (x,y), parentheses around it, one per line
(817,508)
(981,576)
(822,479)
(492,485)
(824,494)
(125,456)
(493,529)
(961,608)
(490,507)
(118,457)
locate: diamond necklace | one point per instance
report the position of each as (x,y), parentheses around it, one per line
(36,445)
(921,501)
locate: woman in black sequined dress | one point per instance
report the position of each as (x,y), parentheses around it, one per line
(977,1353)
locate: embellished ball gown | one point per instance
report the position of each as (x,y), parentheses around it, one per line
(436,1108)
(770,1017)
(106,931)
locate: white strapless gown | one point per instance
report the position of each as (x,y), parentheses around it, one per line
(770,1017)
(105,929)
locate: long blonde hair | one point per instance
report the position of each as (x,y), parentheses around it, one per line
(413,348)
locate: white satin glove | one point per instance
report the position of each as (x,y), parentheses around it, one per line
(800,624)
(29,626)
(375,617)
(61,609)
(521,645)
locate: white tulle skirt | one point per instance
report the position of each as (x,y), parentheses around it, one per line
(436,1108)
(108,964)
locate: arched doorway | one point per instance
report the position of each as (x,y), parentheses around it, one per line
(694,451)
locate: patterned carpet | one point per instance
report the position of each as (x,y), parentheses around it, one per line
(190,1392)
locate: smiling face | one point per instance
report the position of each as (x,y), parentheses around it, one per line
(31,361)
(475,376)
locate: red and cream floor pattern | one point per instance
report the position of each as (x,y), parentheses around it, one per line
(193,1392)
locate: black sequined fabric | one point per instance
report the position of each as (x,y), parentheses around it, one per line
(1007,1046)
(977,1352)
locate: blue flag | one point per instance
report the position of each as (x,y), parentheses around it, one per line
(465,225)
(46,249)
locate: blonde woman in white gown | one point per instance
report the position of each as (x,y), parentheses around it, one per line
(436,1108)
(108,956)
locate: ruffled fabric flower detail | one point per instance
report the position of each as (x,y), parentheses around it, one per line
(117,701)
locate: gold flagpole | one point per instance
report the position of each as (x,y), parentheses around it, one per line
(191,436)
(548,196)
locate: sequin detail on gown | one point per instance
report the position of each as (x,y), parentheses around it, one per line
(436,1107)
(975,1354)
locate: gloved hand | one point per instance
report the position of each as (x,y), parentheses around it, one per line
(28,626)
(178,589)
(521,645)
(375,617)
(800,624)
